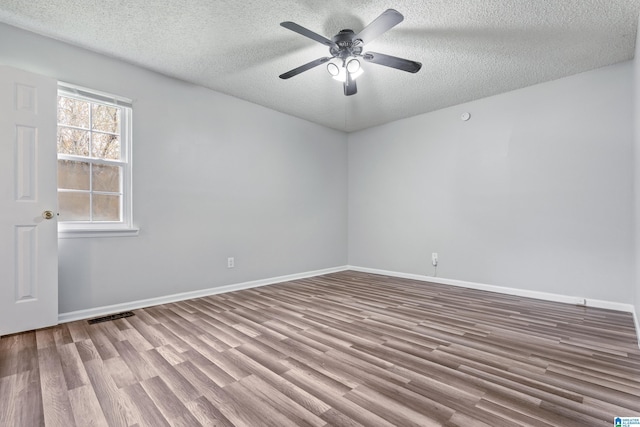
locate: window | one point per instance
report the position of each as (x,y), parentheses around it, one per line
(94,163)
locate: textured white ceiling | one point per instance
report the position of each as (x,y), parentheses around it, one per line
(469,49)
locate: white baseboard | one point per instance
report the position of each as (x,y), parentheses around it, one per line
(610,305)
(133,305)
(115,308)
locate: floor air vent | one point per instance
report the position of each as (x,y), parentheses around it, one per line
(111,317)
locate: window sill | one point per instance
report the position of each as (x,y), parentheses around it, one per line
(72,233)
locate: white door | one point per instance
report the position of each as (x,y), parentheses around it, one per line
(28,190)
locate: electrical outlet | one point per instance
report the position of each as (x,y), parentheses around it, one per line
(231,262)
(434,259)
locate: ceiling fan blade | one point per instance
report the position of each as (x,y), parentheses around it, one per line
(308,33)
(350,87)
(392,61)
(389,19)
(305,67)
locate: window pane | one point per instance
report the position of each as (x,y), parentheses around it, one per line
(73,175)
(106,178)
(73,206)
(72,141)
(91,131)
(106,146)
(105,118)
(106,207)
(73,112)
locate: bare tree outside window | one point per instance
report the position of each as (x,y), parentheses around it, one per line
(89,153)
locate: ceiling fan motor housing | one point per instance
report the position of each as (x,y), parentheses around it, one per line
(347,45)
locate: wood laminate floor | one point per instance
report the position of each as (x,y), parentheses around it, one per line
(345,349)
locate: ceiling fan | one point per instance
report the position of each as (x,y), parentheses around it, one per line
(346,47)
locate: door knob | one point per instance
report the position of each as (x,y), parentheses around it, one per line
(47,214)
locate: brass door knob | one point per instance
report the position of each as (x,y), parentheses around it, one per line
(47,214)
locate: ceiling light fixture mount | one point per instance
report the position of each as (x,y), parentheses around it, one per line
(347,46)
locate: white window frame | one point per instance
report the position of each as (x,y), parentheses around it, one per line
(125,227)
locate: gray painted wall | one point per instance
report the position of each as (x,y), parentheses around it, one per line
(534,192)
(214,176)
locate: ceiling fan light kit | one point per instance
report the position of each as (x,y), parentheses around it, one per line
(346,47)
(353,66)
(340,73)
(333,69)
